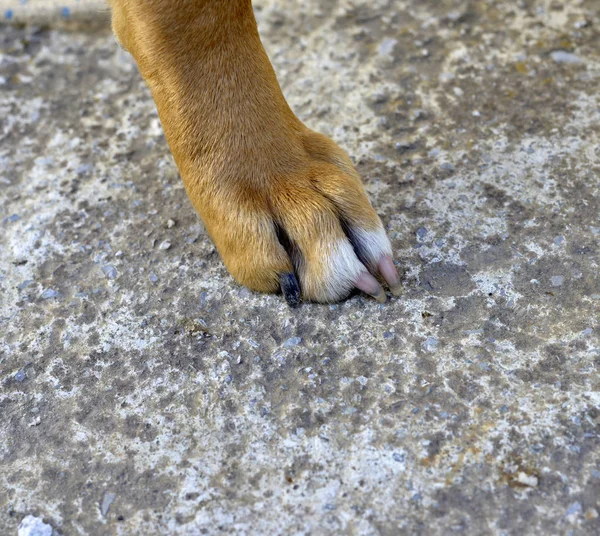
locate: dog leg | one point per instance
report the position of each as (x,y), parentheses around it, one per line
(283,204)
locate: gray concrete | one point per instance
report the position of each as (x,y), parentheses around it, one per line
(143,392)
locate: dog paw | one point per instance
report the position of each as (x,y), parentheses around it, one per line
(310,231)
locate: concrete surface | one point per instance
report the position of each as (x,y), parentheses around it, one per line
(143,392)
(58,13)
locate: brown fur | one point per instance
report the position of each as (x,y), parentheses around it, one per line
(247,162)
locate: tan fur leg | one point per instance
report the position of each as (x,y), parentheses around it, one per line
(276,197)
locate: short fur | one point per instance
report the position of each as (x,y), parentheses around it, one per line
(251,168)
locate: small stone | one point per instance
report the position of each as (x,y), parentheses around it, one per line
(557,280)
(153,277)
(34,526)
(415,115)
(244,293)
(458,92)
(421,233)
(431,344)
(574,509)
(107,500)
(476,113)
(291,342)
(591,513)
(561,56)
(387,46)
(165,245)
(35,421)
(527,480)
(379,97)
(403,146)
(170,223)
(109,271)
(20,376)
(49,293)
(447,166)
(84,169)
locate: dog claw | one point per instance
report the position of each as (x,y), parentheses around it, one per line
(368,284)
(389,272)
(290,288)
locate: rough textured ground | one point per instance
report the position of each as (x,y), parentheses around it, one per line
(143,392)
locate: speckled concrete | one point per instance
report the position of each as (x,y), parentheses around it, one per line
(143,392)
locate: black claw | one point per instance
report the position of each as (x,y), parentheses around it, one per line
(290,289)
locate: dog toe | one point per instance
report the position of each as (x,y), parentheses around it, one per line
(334,249)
